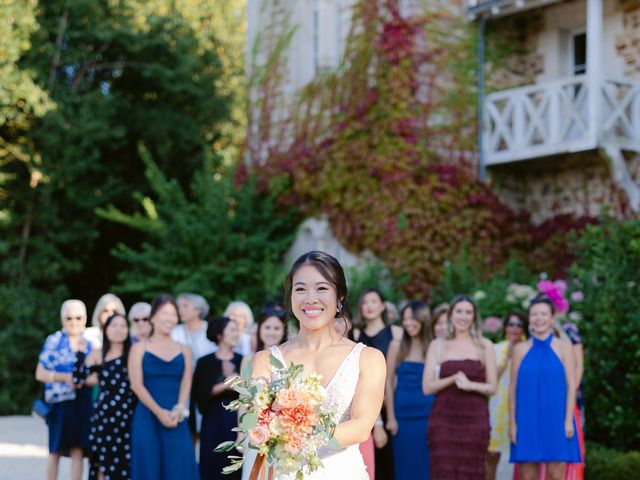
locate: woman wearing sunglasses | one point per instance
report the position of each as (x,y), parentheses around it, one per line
(139,320)
(68,419)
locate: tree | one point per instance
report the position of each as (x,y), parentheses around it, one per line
(221,241)
(83,81)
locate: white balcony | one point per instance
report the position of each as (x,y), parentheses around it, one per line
(554,118)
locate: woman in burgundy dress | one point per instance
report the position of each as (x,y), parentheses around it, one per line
(461,370)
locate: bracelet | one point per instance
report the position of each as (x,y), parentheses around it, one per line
(379,423)
(181,411)
(51,376)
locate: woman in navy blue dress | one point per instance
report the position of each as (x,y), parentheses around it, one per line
(160,376)
(408,408)
(68,419)
(541,399)
(211,395)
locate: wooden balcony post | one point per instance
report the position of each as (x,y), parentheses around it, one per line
(594,68)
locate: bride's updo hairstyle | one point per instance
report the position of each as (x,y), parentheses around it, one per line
(331,271)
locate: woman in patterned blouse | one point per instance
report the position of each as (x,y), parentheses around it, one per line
(68,419)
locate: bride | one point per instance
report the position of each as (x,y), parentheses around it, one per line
(353,375)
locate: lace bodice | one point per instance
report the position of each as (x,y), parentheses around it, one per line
(342,386)
(346,462)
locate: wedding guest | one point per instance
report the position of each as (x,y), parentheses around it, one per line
(211,394)
(515,330)
(193,310)
(272,330)
(408,408)
(439,325)
(107,305)
(541,399)
(160,374)
(461,370)
(139,321)
(377,332)
(243,316)
(393,315)
(575,471)
(110,434)
(68,419)
(192,332)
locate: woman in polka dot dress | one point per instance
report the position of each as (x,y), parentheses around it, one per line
(110,436)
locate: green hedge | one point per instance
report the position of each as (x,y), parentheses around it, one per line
(607,271)
(607,464)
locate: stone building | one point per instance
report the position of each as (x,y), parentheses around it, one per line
(562,121)
(561,117)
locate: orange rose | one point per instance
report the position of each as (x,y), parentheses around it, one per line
(301,418)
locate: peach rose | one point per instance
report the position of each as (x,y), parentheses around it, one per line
(294,444)
(286,399)
(259,435)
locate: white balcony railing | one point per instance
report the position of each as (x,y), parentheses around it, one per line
(552,118)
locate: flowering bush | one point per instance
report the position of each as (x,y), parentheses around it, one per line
(284,419)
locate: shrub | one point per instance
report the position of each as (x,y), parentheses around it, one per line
(606,270)
(28,316)
(607,464)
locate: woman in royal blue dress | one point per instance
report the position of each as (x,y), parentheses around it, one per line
(160,376)
(408,408)
(541,399)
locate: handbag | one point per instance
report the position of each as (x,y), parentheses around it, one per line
(40,409)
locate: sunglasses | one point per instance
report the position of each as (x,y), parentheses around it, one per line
(515,324)
(141,319)
(78,318)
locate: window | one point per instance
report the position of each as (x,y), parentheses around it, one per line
(579,53)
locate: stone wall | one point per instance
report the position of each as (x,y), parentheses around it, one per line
(628,41)
(578,184)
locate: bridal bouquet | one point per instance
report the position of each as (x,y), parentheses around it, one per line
(284,420)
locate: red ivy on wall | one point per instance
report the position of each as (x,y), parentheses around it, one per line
(382,147)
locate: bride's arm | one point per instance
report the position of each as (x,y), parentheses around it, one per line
(260,365)
(367,400)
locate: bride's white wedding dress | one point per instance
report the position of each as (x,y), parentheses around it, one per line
(346,463)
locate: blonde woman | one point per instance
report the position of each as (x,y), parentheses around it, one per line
(241,313)
(107,305)
(462,371)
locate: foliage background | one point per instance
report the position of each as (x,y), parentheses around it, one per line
(83,85)
(122,151)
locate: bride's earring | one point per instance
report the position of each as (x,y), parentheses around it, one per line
(339,307)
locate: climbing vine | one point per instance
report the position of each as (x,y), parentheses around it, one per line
(384,147)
